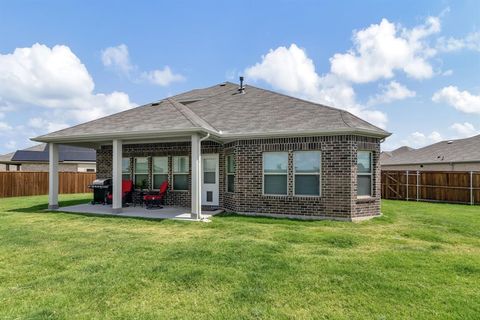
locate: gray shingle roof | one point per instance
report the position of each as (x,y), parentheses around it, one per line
(461,150)
(260,110)
(388,154)
(154,116)
(39,153)
(222,110)
(6,157)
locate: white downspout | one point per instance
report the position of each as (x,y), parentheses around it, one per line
(199,181)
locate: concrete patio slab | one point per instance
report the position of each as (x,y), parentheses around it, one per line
(167,212)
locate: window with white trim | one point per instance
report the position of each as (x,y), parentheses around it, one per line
(275,173)
(230,173)
(125,169)
(159,171)
(306,170)
(140,172)
(180,173)
(364,173)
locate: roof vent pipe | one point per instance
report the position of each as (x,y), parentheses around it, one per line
(241,89)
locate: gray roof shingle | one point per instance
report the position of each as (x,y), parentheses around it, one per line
(222,110)
(461,150)
(153,116)
(39,153)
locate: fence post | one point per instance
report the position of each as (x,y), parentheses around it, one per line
(471,187)
(386,185)
(417,185)
(407,185)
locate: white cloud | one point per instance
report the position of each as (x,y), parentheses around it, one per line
(55,78)
(447,73)
(43,124)
(391,92)
(465,129)
(117,58)
(54,86)
(43,75)
(289,69)
(4,126)
(162,77)
(471,42)
(381,49)
(418,139)
(461,100)
(10,145)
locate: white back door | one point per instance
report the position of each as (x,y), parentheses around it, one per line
(210,179)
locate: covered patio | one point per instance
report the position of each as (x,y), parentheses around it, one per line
(167,212)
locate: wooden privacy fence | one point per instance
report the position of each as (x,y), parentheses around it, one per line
(25,183)
(437,186)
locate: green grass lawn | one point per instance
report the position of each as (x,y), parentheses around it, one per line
(418,261)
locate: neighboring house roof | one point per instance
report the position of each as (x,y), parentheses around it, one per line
(6,157)
(384,155)
(461,150)
(224,112)
(39,153)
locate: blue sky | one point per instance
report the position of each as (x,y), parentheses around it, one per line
(410,66)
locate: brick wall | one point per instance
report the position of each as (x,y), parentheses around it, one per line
(173,197)
(338,187)
(338,176)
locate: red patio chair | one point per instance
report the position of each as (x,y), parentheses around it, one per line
(127,187)
(156,199)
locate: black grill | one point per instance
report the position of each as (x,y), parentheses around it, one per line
(101,187)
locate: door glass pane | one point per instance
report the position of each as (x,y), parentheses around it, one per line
(308,185)
(209,165)
(363,161)
(364,185)
(126,165)
(307,162)
(158,179)
(209,177)
(180,164)
(141,165)
(275,162)
(275,184)
(180,182)
(160,165)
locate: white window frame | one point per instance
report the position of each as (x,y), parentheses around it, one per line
(366,174)
(129,172)
(272,174)
(179,173)
(153,170)
(308,174)
(135,173)
(227,173)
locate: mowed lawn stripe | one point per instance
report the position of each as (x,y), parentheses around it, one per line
(419,260)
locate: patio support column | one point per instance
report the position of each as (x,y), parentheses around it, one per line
(52,176)
(117,176)
(196,178)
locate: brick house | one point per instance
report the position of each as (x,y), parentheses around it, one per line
(35,158)
(244,149)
